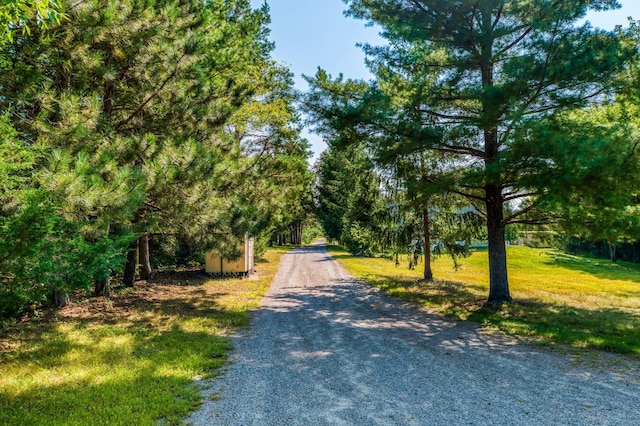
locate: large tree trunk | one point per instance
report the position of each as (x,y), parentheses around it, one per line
(145,258)
(102,287)
(498,281)
(131,265)
(494,200)
(59,298)
(428,274)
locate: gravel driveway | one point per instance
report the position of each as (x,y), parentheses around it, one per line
(325,349)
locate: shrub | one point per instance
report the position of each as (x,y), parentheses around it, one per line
(42,254)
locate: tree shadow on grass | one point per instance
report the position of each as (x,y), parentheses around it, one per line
(128,360)
(601,268)
(608,329)
(148,379)
(181,278)
(113,319)
(131,359)
(145,310)
(611,330)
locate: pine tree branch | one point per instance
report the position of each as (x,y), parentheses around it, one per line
(153,95)
(509,219)
(478,209)
(533,222)
(523,35)
(517,40)
(518,196)
(469,196)
(498,17)
(462,150)
(461,118)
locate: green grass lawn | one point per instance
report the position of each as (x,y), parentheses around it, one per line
(132,360)
(582,302)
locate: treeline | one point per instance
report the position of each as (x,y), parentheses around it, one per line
(372,209)
(137,124)
(483,119)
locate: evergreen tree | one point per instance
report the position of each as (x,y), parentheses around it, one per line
(466,78)
(135,109)
(443,222)
(350,204)
(144,89)
(43,255)
(334,180)
(597,146)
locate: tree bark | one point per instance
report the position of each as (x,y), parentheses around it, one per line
(102,287)
(428,274)
(59,298)
(292,233)
(295,234)
(613,251)
(146,272)
(498,280)
(131,265)
(494,200)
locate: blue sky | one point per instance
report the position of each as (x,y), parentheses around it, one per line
(314,33)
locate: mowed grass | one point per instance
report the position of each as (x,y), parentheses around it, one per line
(559,299)
(133,360)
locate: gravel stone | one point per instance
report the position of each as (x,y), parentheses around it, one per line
(326,349)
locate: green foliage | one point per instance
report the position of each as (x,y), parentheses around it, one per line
(17,166)
(164,118)
(380,209)
(334,176)
(171,252)
(361,220)
(431,221)
(462,82)
(42,252)
(594,172)
(349,202)
(312,230)
(629,252)
(18,14)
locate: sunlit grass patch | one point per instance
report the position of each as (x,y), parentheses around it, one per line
(133,360)
(583,302)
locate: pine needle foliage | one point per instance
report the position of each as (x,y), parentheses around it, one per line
(155,118)
(464,80)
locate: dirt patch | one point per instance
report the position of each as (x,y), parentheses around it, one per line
(143,296)
(180,292)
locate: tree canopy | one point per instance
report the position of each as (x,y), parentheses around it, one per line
(465,81)
(138,120)
(20,14)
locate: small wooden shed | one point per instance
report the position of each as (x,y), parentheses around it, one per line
(219,264)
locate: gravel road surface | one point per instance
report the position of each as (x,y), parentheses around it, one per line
(325,349)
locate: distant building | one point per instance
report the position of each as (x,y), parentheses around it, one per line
(220,264)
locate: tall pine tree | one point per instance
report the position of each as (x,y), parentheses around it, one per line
(476,72)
